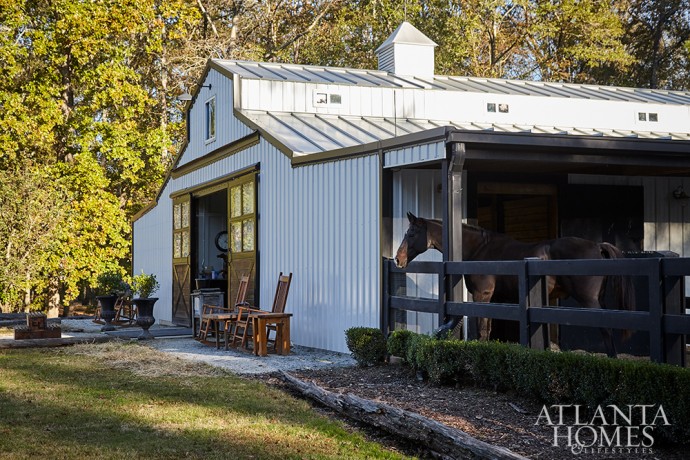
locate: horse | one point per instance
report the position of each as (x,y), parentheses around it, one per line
(484,245)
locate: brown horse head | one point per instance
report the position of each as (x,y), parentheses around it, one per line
(416,241)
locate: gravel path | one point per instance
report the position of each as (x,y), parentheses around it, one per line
(236,361)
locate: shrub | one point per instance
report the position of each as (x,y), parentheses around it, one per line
(367,344)
(145,285)
(397,343)
(111,283)
(554,378)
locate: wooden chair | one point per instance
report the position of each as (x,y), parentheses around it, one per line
(125,311)
(211,314)
(242,324)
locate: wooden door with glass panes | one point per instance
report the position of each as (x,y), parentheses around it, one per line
(242,236)
(182,308)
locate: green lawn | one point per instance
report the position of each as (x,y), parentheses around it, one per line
(127,401)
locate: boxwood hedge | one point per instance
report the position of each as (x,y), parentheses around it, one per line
(552,378)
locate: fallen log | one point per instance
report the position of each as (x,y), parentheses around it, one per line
(441,439)
(53,342)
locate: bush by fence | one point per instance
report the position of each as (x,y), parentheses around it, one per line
(553,378)
(367,344)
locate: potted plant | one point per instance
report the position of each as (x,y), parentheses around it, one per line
(110,286)
(145,285)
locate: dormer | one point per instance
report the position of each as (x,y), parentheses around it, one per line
(407,52)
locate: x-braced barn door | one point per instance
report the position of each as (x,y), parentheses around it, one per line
(181,261)
(242,241)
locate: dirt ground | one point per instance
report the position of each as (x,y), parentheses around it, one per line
(498,418)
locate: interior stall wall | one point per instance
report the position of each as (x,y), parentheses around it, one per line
(418,191)
(666,217)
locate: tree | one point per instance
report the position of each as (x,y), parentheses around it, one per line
(571,40)
(657,34)
(84,96)
(32,208)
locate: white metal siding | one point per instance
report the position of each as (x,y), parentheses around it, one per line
(465,107)
(228,128)
(418,191)
(415,154)
(321,223)
(152,252)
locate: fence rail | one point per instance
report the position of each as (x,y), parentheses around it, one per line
(664,320)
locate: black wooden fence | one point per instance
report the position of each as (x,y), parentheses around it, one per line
(664,318)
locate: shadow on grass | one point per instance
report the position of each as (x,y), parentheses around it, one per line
(76,407)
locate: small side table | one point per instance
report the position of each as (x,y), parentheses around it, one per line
(218,318)
(260,322)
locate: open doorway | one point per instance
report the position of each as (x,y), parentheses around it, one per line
(209,267)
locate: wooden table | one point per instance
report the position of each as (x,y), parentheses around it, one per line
(218,318)
(260,323)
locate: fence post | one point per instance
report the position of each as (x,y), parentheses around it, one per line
(386,298)
(674,304)
(656,352)
(536,297)
(442,293)
(523,292)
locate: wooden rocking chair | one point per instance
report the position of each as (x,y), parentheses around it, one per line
(211,314)
(241,326)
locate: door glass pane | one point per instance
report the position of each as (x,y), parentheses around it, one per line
(185,244)
(177,221)
(236,237)
(248,198)
(235,202)
(248,235)
(185,214)
(177,251)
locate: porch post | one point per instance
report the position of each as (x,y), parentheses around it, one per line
(453,217)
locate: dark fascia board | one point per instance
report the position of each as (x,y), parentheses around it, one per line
(217,181)
(569,141)
(422,137)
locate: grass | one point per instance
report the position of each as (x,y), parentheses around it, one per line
(126,401)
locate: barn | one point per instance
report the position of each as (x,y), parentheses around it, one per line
(311,170)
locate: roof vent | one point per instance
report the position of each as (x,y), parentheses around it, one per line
(407,52)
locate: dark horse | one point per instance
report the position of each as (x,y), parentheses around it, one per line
(480,244)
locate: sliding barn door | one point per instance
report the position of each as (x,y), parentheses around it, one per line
(242,232)
(181,261)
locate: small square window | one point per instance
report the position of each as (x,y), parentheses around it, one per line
(503,108)
(642,116)
(490,107)
(653,116)
(320,98)
(336,99)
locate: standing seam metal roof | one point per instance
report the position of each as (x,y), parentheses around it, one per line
(382,79)
(307,133)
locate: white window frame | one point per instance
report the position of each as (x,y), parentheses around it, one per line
(210,120)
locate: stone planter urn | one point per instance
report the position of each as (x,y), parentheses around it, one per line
(145,317)
(107,311)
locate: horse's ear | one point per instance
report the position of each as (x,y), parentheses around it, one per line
(411,217)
